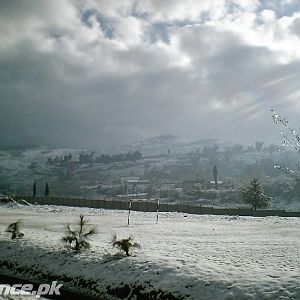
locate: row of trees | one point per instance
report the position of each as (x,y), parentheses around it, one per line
(47,190)
(213,152)
(130,156)
(85,158)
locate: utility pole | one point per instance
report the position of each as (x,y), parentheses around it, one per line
(129,205)
(129,209)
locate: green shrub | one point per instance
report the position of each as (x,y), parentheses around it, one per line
(78,239)
(125,244)
(15,230)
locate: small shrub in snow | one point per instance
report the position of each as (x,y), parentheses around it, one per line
(15,230)
(124,244)
(78,239)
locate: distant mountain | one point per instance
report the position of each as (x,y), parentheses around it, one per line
(163,139)
(164,142)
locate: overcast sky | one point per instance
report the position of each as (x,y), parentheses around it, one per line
(97,73)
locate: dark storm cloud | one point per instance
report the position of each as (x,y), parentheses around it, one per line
(94,73)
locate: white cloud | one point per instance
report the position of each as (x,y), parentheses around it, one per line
(114,71)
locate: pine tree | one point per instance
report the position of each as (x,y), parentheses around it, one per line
(215,173)
(255,196)
(34,190)
(46,189)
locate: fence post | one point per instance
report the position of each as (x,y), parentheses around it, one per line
(129,209)
(157,208)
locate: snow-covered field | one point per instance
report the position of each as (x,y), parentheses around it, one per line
(182,257)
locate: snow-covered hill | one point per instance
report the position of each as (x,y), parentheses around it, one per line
(22,159)
(164,142)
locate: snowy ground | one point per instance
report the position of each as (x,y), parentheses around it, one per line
(187,256)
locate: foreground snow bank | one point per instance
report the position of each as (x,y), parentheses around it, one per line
(183,256)
(105,276)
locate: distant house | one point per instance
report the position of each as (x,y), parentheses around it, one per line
(134,184)
(212,182)
(132,179)
(136,181)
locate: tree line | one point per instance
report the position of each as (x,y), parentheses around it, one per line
(85,158)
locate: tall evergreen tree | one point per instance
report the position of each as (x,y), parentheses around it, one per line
(255,196)
(46,189)
(34,190)
(215,173)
